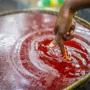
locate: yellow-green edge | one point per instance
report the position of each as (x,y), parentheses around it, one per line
(55,12)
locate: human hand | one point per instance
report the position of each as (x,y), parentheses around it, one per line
(64,28)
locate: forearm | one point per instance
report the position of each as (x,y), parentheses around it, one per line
(75,5)
(68,10)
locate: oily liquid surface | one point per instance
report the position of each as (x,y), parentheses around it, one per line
(35,50)
(28,63)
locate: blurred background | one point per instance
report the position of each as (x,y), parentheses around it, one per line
(8,5)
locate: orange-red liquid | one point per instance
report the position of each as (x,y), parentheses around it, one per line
(50,60)
(28,63)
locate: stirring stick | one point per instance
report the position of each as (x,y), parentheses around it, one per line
(64,51)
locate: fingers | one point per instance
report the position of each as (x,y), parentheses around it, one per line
(63,35)
(60,42)
(68,35)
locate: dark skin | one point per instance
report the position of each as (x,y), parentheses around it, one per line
(64,27)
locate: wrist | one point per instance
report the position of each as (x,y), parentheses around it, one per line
(68,5)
